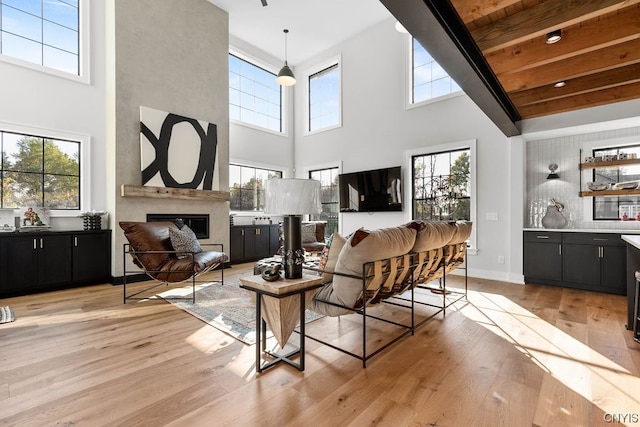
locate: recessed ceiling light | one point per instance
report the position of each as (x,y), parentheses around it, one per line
(400,28)
(554,36)
(560,84)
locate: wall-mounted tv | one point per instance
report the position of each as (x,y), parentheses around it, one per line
(378,190)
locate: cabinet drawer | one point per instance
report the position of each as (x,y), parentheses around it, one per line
(599,239)
(543,236)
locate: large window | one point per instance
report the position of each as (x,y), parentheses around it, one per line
(254,96)
(441,186)
(428,79)
(329,198)
(614,207)
(42,32)
(246,185)
(324,98)
(38,171)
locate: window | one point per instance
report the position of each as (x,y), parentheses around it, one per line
(42,32)
(329,198)
(441,186)
(254,96)
(324,98)
(247,187)
(39,171)
(614,207)
(428,79)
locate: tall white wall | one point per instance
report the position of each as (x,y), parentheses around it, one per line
(46,103)
(377,129)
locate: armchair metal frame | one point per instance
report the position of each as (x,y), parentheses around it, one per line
(193,274)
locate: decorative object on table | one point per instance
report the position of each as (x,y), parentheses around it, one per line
(92,220)
(552,171)
(35,218)
(598,186)
(271,274)
(6,314)
(554,218)
(292,198)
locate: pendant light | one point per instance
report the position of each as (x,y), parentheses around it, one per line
(285,76)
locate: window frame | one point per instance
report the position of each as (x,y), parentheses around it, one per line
(469,144)
(319,168)
(272,69)
(244,164)
(617,147)
(85,159)
(307,74)
(84,51)
(409,91)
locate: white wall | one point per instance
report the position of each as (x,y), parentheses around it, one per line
(37,100)
(377,129)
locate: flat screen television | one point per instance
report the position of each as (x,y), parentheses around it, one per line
(378,190)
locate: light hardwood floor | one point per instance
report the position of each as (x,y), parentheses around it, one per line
(511,355)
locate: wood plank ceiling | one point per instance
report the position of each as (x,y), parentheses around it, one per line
(598,56)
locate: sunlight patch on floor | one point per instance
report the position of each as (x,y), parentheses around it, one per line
(571,362)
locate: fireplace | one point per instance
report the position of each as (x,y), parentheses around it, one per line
(199,223)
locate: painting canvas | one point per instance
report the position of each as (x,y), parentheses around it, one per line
(178,151)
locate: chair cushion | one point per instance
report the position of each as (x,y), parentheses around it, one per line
(308,233)
(329,256)
(184,239)
(462,232)
(149,236)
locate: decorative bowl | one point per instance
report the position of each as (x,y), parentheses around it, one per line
(597,186)
(629,185)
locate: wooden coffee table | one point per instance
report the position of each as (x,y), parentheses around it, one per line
(280,305)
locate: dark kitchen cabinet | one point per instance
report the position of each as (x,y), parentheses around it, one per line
(40,261)
(253,242)
(589,261)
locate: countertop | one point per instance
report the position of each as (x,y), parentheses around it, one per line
(585,230)
(633,240)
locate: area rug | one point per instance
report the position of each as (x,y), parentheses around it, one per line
(6,314)
(228,308)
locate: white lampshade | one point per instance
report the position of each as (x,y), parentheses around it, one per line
(292,196)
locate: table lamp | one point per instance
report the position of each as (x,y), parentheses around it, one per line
(292,198)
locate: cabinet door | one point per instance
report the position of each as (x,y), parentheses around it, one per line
(581,264)
(236,244)
(91,257)
(18,263)
(54,253)
(543,261)
(256,242)
(614,269)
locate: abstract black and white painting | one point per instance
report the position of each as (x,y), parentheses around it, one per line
(178,151)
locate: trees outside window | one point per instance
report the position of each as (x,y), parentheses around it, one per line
(441,186)
(39,171)
(246,187)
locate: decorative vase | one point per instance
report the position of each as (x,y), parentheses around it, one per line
(553,218)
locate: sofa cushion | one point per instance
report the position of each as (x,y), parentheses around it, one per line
(365,246)
(433,235)
(462,232)
(184,239)
(329,256)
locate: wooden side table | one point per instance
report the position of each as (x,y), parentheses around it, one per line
(283,302)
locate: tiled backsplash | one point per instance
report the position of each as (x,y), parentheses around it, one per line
(565,152)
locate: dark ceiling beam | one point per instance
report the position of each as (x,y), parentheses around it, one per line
(436,25)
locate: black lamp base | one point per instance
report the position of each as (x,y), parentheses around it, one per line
(293,256)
